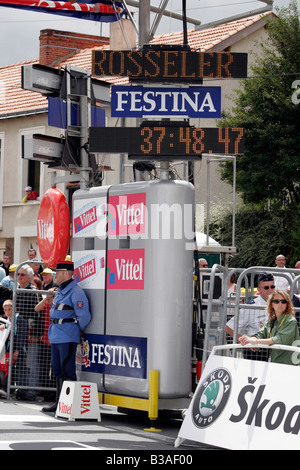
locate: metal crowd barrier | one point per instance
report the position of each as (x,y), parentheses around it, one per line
(281,347)
(30,374)
(224,304)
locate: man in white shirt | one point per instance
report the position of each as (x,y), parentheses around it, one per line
(280,281)
(251,320)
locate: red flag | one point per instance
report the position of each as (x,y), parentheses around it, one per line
(93,11)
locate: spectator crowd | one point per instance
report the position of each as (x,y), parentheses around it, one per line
(36,287)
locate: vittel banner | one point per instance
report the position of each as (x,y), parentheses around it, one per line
(89,270)
(89,218)
(114,355)
(126,214)
(85,219)
(125,269)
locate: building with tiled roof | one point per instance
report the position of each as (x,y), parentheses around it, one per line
(14,101)
(24,112)
(218,38)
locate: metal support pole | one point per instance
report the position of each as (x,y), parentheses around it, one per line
(158,18)
(207,201)
(84,113)
(171,14)
(153,394)
(144,23)
(82,128)
(153,399)
(233,201)
(164,170)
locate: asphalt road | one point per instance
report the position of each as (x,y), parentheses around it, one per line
(24,427)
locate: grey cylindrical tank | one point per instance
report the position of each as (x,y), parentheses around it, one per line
(132,249)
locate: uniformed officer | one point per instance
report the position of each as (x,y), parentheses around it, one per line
(69,314)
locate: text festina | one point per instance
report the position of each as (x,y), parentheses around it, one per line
(117,355)
(139,101)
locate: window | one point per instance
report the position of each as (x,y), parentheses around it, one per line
(33,176)
(32,172)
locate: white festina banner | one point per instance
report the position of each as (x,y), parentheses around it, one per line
(243,404)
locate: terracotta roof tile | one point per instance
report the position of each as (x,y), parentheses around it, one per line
(207,38)
(13,99)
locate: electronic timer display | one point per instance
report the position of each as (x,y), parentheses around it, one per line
(169,65)
(159,142)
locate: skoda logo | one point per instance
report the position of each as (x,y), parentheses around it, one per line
(211,397)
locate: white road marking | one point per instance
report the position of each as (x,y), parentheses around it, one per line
(26,419)
(45,445)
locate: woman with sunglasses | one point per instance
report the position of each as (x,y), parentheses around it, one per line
(280,328)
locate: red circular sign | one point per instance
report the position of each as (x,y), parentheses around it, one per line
(53,227)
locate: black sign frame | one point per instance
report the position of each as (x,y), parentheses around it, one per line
(169,65)
(166,142)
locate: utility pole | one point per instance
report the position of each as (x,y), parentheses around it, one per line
(144,22)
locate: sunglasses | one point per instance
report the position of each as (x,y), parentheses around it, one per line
(21,274)
(276,301)
(269,287)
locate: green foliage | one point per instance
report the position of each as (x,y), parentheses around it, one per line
(270,167)
(268,174)
(295,235)
(261,234)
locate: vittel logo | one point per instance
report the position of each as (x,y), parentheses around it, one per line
(85,270)
(85,405)
(85,219)
(64,408)
(126,214)
(125,269)
(46,229)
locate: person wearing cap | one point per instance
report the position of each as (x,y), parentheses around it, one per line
(8,281)
(252,320)
(70,315)
(30,195)
(48,279)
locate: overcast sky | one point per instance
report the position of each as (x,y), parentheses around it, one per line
(19,30)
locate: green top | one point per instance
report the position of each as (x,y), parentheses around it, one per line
(285,331)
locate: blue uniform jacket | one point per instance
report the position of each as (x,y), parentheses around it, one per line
(69,302)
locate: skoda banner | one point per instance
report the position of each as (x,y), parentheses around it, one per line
(243,404)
